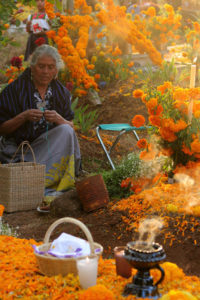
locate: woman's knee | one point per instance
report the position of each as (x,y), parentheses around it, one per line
(65,128)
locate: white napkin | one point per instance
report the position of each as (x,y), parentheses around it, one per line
(67,245)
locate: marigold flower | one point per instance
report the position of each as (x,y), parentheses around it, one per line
(152,103)
(97,292)
(138,93)
(186,150)
(142,143)
(97,76)
(90,67)
(167,134)
(10,80)
(164,87)
(138,121)
(6,26)
(195,146)
(155,120)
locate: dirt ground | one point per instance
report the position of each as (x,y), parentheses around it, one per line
(104,224)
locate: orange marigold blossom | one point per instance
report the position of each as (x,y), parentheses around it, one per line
(195,146)
(157,110)
(6,26)
(97,76)
(142,143)
(155,120)
(167,134)
(138,120)
(187,150)
(138,93)
(98,292)
(164,87)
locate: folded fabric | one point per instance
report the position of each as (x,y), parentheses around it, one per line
(66,246)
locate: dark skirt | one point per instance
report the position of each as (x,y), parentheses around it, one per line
(32,45)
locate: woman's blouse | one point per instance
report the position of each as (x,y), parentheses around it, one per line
(39,22)
(21,95)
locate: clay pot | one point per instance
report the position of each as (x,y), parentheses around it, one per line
(92,193)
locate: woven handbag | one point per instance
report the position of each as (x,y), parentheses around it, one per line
(22,184)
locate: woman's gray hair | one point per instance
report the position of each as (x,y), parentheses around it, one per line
(46,50)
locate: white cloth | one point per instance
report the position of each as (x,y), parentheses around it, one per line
(66,246)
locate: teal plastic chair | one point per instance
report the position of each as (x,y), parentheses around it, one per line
(122,129)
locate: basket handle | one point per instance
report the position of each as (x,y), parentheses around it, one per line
(73,221)
(22,147)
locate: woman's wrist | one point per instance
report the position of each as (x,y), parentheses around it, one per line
(23,116)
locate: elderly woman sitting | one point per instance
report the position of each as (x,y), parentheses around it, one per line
(36,107)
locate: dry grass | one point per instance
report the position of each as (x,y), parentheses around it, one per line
(6,53)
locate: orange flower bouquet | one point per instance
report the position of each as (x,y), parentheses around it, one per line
(174,117)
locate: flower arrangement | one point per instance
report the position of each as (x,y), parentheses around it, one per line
(162,28)
(174,116)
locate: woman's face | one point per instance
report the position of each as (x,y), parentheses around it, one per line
(40,5)
(44,71)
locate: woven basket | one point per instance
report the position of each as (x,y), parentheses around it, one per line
(51,266)
(22,184)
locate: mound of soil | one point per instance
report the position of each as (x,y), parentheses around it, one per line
(106,226)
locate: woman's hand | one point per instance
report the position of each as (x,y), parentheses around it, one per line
(53,117)
(33,115)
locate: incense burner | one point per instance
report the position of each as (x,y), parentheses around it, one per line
(144,257)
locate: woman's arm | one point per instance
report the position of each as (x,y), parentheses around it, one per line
(33,115)
(28,26)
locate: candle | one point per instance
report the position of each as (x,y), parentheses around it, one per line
(123,268)
(87,271)
(192,76)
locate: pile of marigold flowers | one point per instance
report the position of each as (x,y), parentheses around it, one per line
(176,204)
(20,278)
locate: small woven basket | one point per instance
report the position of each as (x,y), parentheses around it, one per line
(50,265)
